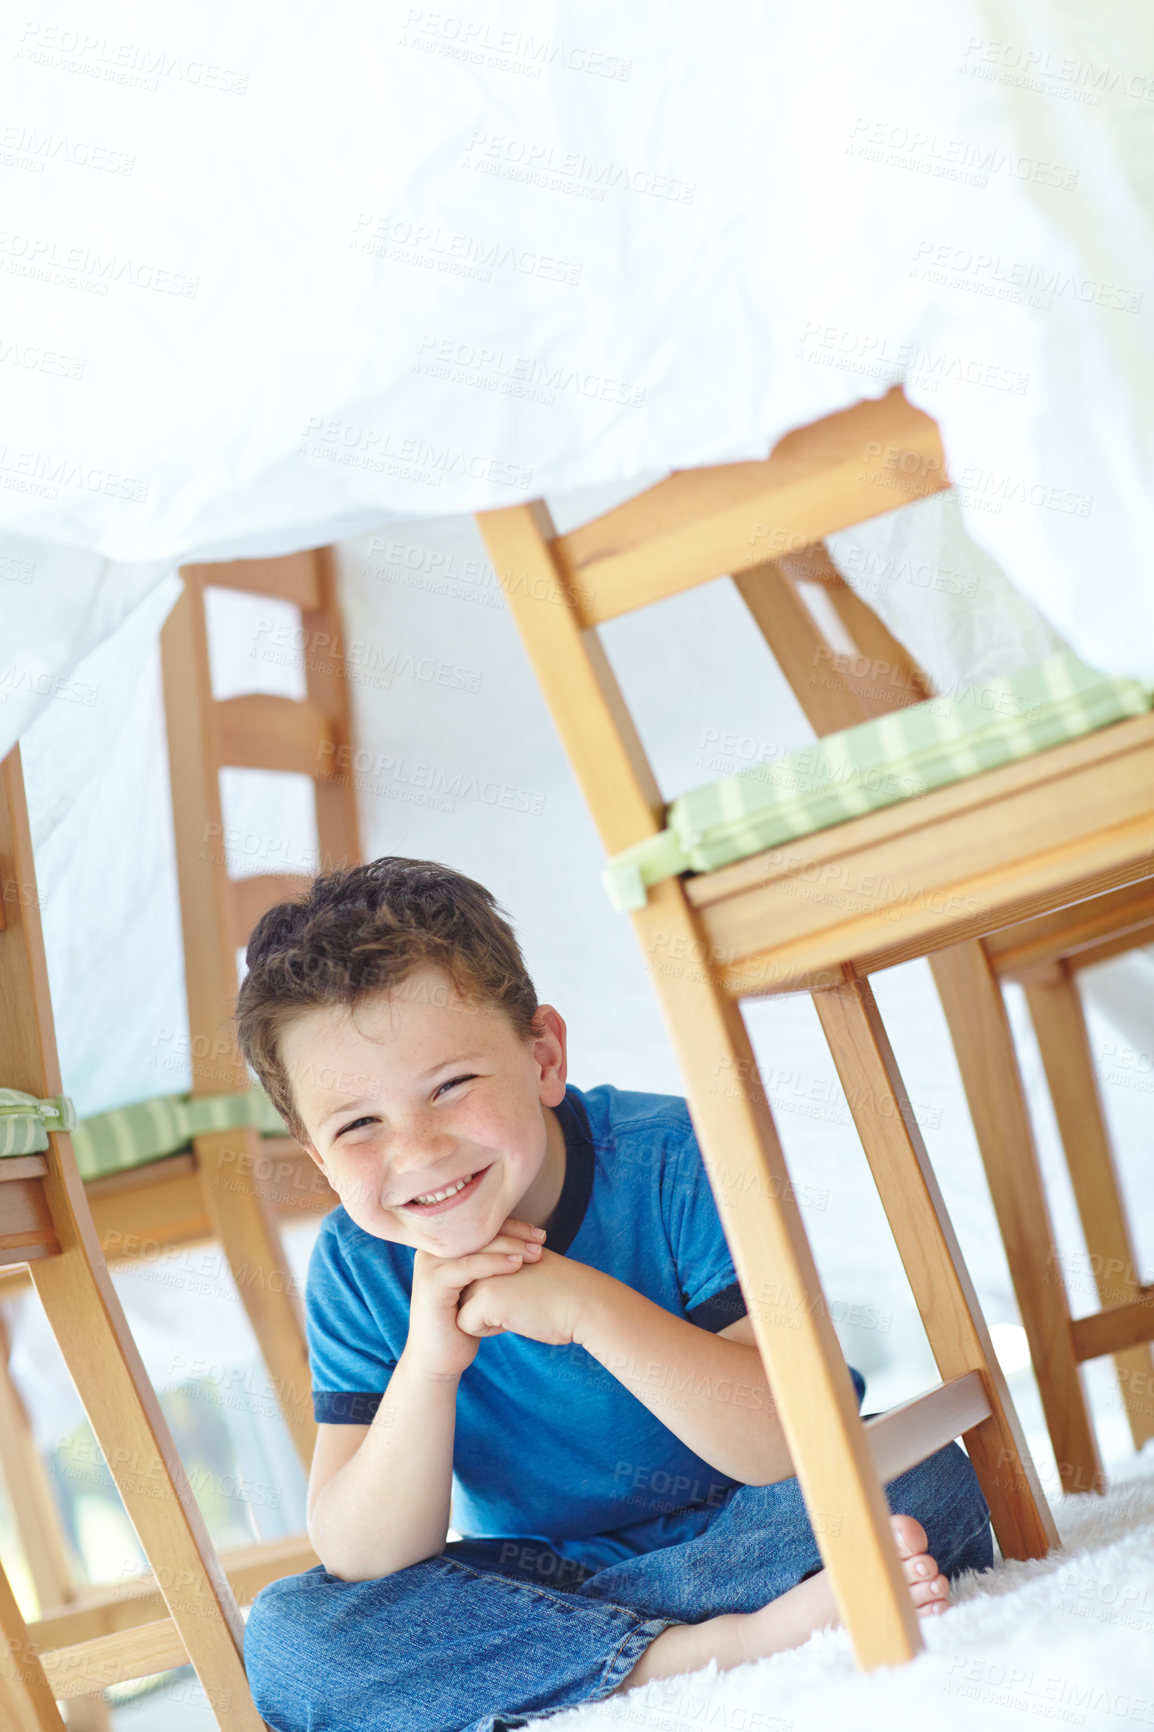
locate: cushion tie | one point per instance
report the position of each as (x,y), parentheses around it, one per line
(25,1121)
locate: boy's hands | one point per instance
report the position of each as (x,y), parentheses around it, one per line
(437,1345)
(542,1301)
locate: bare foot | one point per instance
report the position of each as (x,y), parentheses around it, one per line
(735,1638)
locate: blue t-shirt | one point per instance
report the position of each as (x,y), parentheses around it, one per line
(549,1444)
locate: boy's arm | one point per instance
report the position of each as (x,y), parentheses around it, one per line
(379,1504)
(709,1390)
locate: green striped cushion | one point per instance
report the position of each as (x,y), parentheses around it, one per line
(875,764)
(25,1121)
(129,1136)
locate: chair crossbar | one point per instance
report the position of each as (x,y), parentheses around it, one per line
(905,1435)
(263,732)
(1076,935)
(135,1653)
(703,524)
(1116,1328)
(295,577)
(100,1612)
(27,1230)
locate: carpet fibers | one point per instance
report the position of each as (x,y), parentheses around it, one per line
(1065,1641)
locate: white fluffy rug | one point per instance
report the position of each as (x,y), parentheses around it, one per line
(1067,1641)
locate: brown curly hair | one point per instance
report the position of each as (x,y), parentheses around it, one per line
(362,930)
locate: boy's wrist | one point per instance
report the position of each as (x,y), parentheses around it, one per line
(416,1372)
(599,1292)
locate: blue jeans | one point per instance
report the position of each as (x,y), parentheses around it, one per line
(494,1633)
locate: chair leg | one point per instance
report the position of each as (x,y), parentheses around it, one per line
(85,1316)
(775,1267)
(1060,1025)
(243,1223)
(26,1702)
(929,1250)
(37,1516)
(971,997)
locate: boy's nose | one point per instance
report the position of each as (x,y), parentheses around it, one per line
(419,1159)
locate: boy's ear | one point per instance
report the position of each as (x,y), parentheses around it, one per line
(550,1049)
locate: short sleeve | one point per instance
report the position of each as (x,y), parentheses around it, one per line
(349,1359)
(710,1290)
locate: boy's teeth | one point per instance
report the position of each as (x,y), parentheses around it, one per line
(439,1196)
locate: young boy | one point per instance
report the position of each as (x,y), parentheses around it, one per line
(525,1301)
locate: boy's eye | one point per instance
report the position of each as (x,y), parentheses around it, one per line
(451,1084)
(355,1124)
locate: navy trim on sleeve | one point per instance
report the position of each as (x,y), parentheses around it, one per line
(339,1408)
(577,1185)
(719,1312)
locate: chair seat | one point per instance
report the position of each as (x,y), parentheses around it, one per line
(876,764)
(131,1136)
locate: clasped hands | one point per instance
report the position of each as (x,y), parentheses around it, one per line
(542,1300)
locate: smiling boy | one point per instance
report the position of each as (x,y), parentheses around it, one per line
(525,1306)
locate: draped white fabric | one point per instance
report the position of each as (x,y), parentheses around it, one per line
(270,281)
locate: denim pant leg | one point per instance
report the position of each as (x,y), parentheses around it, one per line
(465,1642)
(759,1544)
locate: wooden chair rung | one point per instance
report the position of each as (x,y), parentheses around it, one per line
(905,1435)
(702,524)
(27,1231)
(132,1653)
(263,732)
(292,577)
(1123,916)
(103,1611)
(1116,1328)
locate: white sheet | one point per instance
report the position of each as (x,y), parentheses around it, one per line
(267,286)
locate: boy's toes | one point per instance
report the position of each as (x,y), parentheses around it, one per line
(930,1597)
(909,1534)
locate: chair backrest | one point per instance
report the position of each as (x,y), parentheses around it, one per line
(740,519)
(259,731)
(1078,822)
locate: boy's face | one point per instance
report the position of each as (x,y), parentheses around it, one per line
(417,1089)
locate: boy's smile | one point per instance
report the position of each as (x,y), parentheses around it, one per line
(418,1089)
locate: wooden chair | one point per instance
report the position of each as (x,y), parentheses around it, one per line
(45,1223)
(241,1181)
(232,1186)
(755,927)
(1044,955)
